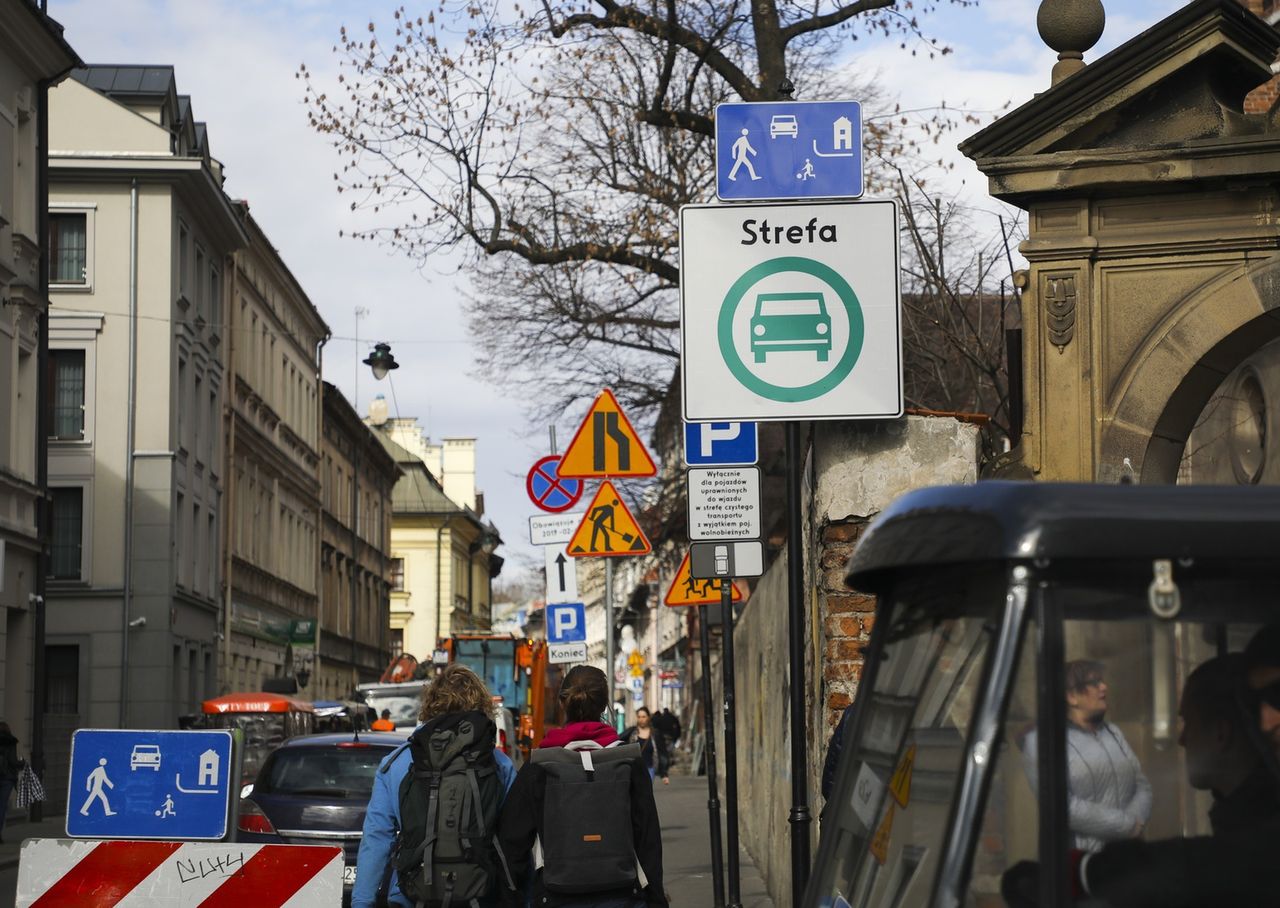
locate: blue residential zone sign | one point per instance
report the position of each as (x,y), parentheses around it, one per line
(566,622)
(128,784)
(789,150)
(720,444)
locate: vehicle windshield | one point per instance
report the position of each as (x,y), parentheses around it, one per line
(404,707)
(790,304)
(342,773)
(898,780)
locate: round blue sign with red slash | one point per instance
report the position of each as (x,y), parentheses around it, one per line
(547,490)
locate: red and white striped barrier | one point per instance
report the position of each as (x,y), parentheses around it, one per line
(74,873)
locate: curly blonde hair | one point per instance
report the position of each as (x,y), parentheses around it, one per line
(456,689)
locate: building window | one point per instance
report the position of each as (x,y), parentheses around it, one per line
(67,531)
(184,260)
(68,248)
(396,642)
(397,575)
(66,378)
(62,679)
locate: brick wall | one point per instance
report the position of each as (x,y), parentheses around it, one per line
(847,618)
(1261,99)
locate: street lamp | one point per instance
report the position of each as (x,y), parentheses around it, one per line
(381,361)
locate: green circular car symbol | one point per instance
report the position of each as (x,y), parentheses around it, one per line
(819,339)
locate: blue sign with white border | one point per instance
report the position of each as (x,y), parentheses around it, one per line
(720,444)
(789,150)
(131,784)
(566,622)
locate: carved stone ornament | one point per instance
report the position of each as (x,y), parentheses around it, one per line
(1060,309)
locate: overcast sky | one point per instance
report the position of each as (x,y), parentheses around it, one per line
(237,59)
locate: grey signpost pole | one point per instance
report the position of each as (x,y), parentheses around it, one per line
(799,818)
(709,756)
(608,636)
(730,742)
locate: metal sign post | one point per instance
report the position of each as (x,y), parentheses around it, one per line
(730,742)
(709,755)
(608,632)
(799,817)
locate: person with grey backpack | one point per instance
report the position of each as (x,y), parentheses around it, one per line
(580,828)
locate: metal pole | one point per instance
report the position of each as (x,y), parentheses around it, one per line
(608,633)
(709,755)
(730,742)
(799,817)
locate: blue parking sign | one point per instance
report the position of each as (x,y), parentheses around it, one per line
(789,150)
(566,622)
(130,784)
(720,444)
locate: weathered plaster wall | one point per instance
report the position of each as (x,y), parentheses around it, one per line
(856,469)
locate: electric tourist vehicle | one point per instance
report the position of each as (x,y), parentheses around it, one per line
(953,782)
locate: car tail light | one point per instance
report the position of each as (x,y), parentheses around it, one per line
(502,742)
(350,744)
(252,819)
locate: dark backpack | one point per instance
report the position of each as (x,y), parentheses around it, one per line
(446,852)
(585,833)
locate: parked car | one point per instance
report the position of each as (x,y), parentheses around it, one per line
(314,790)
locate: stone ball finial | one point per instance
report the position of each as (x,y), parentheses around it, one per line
(1070,27)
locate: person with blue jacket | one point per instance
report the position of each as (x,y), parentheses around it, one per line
(456,689)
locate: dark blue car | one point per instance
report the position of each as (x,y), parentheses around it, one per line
(313,790)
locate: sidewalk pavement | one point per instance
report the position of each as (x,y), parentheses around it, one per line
(686,848)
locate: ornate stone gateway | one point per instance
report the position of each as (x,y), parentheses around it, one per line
(1154,236)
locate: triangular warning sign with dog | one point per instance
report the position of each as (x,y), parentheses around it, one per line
(607,528)
(685,590)
(606,444)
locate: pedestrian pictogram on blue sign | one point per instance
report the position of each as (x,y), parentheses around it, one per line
(566,622)
(720,444)
(789,150)
(128,784)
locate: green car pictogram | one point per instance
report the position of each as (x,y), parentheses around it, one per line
(790,321)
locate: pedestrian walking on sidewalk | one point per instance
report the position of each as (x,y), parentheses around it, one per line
(654,751)
(580,826)
(10,767)
(447,758)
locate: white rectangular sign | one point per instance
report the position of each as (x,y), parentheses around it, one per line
(790,311)
(562,575)
(553,529)
(559,653)
(724,503)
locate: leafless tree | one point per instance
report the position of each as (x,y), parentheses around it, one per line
(553,146)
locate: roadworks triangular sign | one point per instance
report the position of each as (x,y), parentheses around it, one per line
(685,590)
(606,444)
(608,528)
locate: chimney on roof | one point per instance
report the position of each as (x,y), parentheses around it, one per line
(378,414)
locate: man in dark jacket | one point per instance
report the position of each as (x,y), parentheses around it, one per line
(10,766)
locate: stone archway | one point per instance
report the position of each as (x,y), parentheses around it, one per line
(1154,237)
(1205,336)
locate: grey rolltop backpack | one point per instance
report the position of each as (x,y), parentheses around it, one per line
(585,842)
(446,853)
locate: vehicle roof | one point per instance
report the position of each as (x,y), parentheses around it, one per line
(255,702)
(1021,521)
(330,739)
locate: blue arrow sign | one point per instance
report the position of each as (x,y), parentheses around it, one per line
(566,622)
(720,444)
(128,784)
(789,150)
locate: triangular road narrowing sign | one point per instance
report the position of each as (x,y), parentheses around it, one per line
(685,590)
(606,444)
(608,528)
